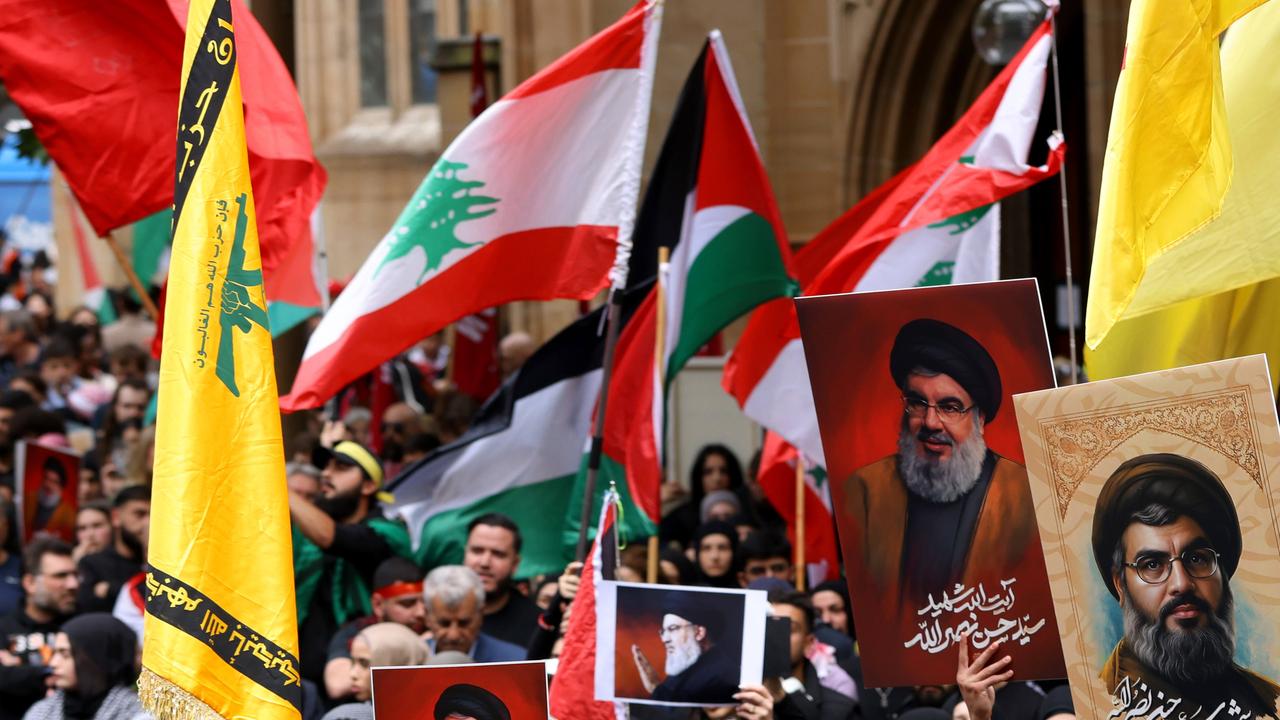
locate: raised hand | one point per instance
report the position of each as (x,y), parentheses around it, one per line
(978,679)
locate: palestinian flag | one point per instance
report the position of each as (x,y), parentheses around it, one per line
(573,685)
(936,222)
(532,201)
(711,199)
(520,457)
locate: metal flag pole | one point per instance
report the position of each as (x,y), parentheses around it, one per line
(1062,190)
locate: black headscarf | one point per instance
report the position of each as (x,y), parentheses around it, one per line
(716,527)
(105,651)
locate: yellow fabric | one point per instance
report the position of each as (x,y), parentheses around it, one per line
(1182,134)
(363,458)
(220,518)
(1243,239)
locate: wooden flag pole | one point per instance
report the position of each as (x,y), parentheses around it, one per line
(132,276)
(801,571)
(659,364)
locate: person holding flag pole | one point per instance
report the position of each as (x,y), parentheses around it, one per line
(221,624)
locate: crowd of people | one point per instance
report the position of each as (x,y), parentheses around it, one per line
(71,612)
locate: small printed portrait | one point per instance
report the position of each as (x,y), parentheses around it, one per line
(682,646)
(490,691)
(49,489)
(936,519)
(1167,542)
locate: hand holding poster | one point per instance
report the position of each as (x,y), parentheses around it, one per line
(489,691)
(936,521)
(678,646)
(1157,515)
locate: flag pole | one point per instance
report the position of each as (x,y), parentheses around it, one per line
(801,571)
(132,276)
(1062,190)
(613,319)
(659,364)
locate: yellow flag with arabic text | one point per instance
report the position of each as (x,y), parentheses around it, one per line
(221,637)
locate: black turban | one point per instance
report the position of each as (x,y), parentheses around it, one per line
(694,607)
(937,346)
(1178,483)
(470,701)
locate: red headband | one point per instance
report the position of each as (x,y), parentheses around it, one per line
(398,588)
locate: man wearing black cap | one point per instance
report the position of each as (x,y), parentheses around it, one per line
(699,669)
(1166,539)
(338,543)
(469,702)
(944,509)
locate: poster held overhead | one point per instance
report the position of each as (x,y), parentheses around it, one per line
(931,500)
(1156,498)
(47,490)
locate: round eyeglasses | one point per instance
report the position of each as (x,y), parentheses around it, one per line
(1199,563)
(949,411)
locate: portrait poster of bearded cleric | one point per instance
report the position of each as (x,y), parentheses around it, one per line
(930,496)
(492,691)
(677,646)
(1156,501)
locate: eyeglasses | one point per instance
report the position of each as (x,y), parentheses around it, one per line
(672,629)
(949,411)
(1199,563)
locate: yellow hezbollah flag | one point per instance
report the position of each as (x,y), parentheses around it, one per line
(221,635)
(1241,321)
(1166,231)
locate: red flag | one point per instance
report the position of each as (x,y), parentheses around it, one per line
(475,340)
(573,686)
(99,82)
(777,478)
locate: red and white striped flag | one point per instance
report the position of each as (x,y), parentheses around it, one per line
(534,200)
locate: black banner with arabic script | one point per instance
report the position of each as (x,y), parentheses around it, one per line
(203,94)
(253,655)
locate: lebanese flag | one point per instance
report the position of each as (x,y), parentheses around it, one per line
(573,685)
(777,477)
(99,82)
(532,201)
(935,222)
(709,196)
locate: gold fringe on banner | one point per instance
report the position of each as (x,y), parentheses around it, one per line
(167,701)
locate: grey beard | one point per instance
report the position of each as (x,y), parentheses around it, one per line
(1183,658)
(938,480)
(682,657)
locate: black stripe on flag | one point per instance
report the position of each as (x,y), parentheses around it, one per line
(203,95)
(240,646)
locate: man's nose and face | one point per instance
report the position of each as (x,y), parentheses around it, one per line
(1181,602)
(56,585)
(831,611)
(409,610)
(678,633)
(773,567)
(936,439)
(491,554)
(454,628)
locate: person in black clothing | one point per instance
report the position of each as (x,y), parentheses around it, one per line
(50,583)
(804,696)
(339,541)
(714,468)
(700,666)
(397,598)
(715,555)
(103,573)
(493,553)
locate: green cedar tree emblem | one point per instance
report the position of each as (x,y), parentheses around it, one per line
(819,475)
(963,221)
(239,311)
(939,274)
(444,201)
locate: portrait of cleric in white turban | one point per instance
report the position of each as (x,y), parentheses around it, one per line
(1167,542)
(679,646)
(1155,501)
(930,495)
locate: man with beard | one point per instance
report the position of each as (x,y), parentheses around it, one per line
(47,511)
(1166,539)
(493,553)
(338,542)
(700,667)
(103,573)
(27,633)
(944,509)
